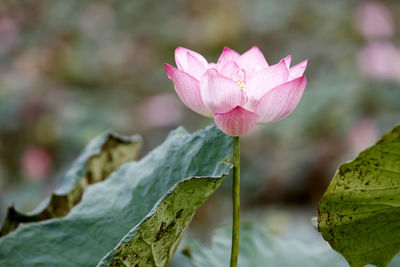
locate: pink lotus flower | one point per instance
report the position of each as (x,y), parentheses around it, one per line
(238,91)
(374,20)
(36,162)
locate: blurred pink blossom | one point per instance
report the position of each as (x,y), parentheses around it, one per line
(238,91)
(36,162)
(380,60)
(363,134)
(9,34)
(161,110)
(374,20)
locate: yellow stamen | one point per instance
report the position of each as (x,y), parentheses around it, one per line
(241,84)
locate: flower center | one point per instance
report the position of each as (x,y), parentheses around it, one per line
(241,84)
(240,78)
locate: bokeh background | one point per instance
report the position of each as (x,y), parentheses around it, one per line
(71,69)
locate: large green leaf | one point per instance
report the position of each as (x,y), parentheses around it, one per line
(359,214)
(259,249)
(103,155)
(151,200)
(154,241)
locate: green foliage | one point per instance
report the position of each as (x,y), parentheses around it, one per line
(154,241)
(138,215)
(359,214)
(260,249)
(102,156)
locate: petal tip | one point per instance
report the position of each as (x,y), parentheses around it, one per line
(281,62)
(304,63)
(227,55)
(169,70)
(287,60)
(302,79)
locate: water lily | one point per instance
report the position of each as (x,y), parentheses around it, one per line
(239,91)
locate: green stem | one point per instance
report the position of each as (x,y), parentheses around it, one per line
(236,202)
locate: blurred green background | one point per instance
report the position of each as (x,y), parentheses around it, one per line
(71,69)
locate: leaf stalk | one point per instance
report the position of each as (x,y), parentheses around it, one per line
(236,202)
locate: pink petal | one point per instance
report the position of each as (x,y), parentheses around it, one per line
(252,60)
(195,67)
(236,122)
(298,70)
(181,57)
(188,90)
(228,55)
(219,93)
(233,71)
(287,60)
(280,101)
(263,81)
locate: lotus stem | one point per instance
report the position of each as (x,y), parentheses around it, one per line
(236,202)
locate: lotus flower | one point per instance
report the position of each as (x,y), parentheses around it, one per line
(239,91)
